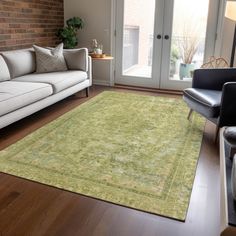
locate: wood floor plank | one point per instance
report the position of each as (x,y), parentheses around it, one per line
(29,208)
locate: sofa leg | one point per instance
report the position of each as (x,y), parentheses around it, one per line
(87,92)
(190,114)
(217,133)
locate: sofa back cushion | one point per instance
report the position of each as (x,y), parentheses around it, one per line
(76,59)
(20,62)
(4,72)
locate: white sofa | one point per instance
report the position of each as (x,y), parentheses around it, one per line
(23,92)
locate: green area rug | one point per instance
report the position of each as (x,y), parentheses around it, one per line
(133,150)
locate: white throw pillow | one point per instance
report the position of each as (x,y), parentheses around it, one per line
(50,60)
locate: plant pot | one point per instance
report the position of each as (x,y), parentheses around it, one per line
(185,70)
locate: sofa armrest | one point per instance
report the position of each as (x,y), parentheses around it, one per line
(90,74)
(213,78)
(228,105)
(77,59)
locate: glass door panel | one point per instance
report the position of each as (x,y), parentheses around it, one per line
(138,31)
(137,48)
(188,38)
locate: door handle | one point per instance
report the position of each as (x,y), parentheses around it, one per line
(159,36)
(166,37)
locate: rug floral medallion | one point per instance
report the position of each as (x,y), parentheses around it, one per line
(133,150)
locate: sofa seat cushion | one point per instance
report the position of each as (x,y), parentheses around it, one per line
(59,80)
(206,102)
(15,95)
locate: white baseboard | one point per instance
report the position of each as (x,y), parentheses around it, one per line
(101,82)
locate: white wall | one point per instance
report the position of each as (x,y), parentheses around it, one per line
(225,34)
(97,17)
(227,39)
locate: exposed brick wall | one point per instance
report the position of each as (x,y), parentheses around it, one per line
(27,22)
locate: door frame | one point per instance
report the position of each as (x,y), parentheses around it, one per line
(218,19)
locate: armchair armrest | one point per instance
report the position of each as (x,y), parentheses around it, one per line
(213,78)
(77,59)
(228,105)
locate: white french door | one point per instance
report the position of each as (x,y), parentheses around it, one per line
(137,50)
(160,42)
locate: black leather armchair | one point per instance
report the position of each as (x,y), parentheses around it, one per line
(213,95)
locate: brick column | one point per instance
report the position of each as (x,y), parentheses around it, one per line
(25,22)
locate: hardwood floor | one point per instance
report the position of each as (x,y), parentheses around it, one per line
(29,208)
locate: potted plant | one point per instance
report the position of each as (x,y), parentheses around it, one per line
(188,45)
(188,48)
(68,34)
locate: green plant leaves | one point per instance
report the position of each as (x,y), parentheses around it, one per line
(75,22)
(68,34)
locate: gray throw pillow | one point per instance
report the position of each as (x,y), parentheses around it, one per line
(50,60)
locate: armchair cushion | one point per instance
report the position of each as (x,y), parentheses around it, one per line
(206,102)
(213,79)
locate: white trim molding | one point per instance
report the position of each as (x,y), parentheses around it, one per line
(102,82)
